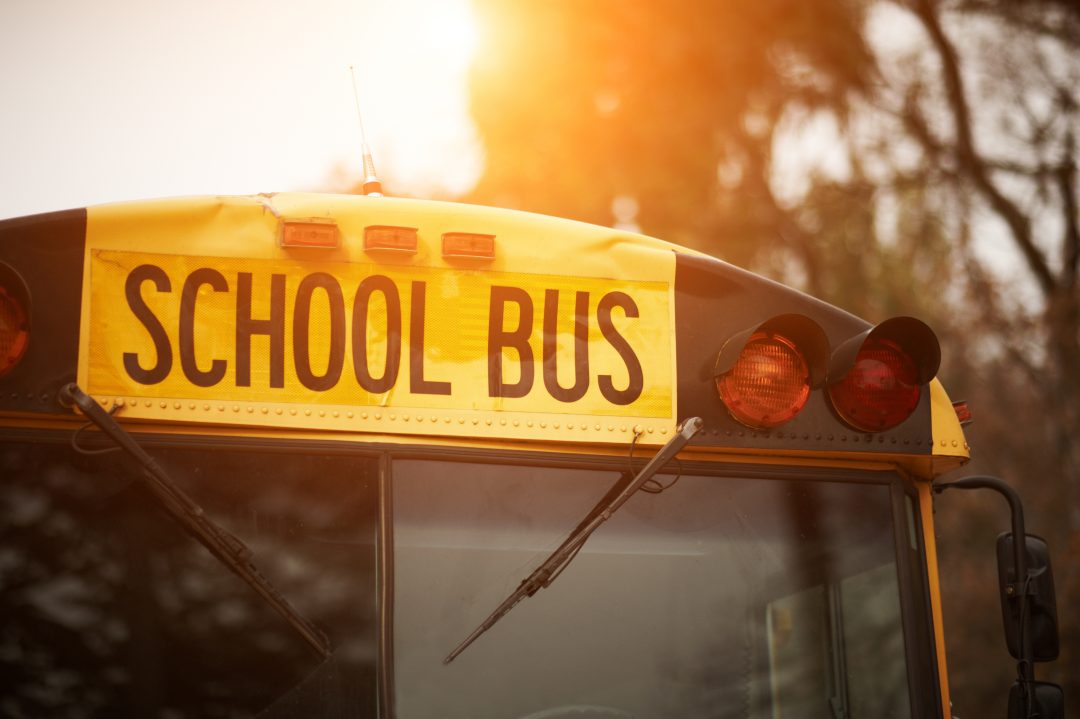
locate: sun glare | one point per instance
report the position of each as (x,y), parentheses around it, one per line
(448,34)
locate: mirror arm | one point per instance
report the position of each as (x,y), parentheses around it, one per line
(1026,666)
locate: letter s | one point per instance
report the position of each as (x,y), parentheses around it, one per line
(133,292)
(636,382)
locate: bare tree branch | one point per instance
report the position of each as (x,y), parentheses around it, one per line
(1066,178)
(967,156)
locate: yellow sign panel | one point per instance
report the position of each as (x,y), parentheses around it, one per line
(272,342)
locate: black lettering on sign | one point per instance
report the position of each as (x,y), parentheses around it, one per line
(417,383)
(581,347)
(217,282)
(246,326)
(302,331)
(518,339)
(162,347)
(383,284)
(636,382)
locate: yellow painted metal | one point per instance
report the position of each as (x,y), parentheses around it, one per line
(440,387)
(950,447)
(926,509)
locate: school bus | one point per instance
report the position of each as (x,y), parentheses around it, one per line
(317,455)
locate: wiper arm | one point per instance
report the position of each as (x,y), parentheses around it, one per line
(546,573)
(228,549)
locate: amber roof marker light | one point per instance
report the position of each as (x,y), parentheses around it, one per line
(764,374)
(876,378)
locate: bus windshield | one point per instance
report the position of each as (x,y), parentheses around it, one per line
(110,609)
(719,596)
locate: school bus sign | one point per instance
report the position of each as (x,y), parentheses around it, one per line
(404,348)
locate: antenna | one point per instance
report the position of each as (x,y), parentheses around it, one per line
(371,187)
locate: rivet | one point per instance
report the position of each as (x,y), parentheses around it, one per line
(517,423)
(363,415)
(307,412)
(292,412)
(277,410)
(378,415)
(543,425)
(148,403)
(487,422)
(555,425)
(611,428)
(651,430)
(419,418)
(529,424)
(405,418)
(461,420)
(663,431)
(119,401)
(322,412)
(957,444)
(176,405)
(596,427)
(163,405)
(250,409)
(236,408)
(349,415)
(221,408)
(448,420)
(638,429)
(336,413)
(476,420)
(502,422)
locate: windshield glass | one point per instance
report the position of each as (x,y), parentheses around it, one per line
(719,597)
(110,609)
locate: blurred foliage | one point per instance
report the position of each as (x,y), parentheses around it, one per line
(906,157)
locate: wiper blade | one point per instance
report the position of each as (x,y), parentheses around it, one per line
(228,549)
(546,573)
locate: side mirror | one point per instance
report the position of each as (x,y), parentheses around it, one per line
(1038,596)
(1045,701)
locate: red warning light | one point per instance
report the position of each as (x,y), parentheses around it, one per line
(769,383)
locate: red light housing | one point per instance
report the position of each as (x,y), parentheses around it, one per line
(881,389)
(14,320)
(768,384)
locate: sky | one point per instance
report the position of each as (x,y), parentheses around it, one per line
(116,100)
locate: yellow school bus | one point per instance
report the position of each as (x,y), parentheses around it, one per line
(316,455)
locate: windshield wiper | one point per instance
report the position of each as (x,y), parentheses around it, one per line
(228,549)
(546,573)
